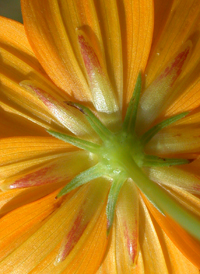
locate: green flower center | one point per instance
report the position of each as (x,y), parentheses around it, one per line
(121,157)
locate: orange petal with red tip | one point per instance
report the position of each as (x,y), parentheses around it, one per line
(67,117)
(82,219)
(127,214)
(61,169)
(156,96)
(177,23)
(115,254)
(135,18)
(87,260)
(101,89)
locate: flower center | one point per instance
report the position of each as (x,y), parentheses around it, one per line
(121,155)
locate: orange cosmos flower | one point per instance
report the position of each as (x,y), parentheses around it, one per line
(119,193)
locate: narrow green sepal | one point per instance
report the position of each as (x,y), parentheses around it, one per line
(89,146)
(84,177)
(147,136)
(112,199)
(154,161)
(103,132)
(131,114)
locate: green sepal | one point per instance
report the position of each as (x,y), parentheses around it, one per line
(131,114)
(89,146)
(151,160)
(103,132)
(84,177)
(147,136)
(116,186)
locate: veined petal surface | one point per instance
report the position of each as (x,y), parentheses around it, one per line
(45,240)
(68,235)
(126,49)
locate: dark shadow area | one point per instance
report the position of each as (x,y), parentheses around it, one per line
(11,9)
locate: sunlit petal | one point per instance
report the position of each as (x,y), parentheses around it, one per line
(185,242)
(175,140)
(136,19)
(20,224)
(184,177)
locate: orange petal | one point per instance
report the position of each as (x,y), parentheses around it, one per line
(47,30)
(186,177)
(13,125)
(36,253)
(17,149)
(175,140)
(136,19)
(13,199)
(18,63)
(45,238)
(189,246)
(111,35)
(17,226)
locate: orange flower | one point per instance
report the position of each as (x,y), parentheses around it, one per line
(116,187)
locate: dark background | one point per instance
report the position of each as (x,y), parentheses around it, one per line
(11,9)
